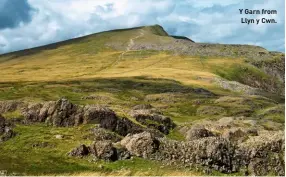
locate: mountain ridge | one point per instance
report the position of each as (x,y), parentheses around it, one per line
(156,29)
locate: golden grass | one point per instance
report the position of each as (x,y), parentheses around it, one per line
(57,65)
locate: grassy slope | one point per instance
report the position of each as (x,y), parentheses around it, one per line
(86,66)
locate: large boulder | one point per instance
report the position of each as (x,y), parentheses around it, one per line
(142,145)
(99,115)
(103,150)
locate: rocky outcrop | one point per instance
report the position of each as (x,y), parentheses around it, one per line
(64,113)
(142,145)
(262,155)
(124,126)
(259,155)
(10,106)
(101,150)
(6,131)
(147,115)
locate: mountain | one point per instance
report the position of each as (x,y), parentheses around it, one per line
(145,81)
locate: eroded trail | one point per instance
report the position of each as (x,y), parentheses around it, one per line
(131,43)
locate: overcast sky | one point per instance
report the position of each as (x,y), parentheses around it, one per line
(29,23)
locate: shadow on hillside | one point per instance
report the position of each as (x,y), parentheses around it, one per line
(14,90)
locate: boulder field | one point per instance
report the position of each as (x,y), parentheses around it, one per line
(223,145)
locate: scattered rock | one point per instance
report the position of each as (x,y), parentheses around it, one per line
(59,137)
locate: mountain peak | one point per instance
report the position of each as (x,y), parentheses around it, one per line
(157,30)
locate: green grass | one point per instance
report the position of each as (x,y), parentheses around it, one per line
(247,74)
(18,156)
(14,114)
(176,135)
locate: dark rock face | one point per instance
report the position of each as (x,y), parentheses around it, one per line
(80,151)
(6,131)
(123,154)
(125,126)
